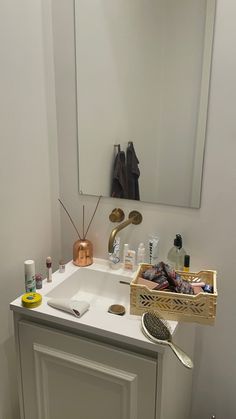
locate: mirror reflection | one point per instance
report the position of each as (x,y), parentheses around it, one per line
(143,71)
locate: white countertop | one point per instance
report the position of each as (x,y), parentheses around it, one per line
(96,321)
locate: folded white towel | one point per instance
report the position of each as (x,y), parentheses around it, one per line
(77,308)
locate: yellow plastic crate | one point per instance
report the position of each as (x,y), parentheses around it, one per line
(200,308)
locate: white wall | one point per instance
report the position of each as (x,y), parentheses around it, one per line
(209,233)
(29,219)
(29,187)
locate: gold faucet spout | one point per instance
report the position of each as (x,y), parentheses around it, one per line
(134,218)
(114,233)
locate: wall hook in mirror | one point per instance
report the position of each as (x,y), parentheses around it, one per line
(118,147)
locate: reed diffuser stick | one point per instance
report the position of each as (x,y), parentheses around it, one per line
(72,222)
(92,216)
(83,223)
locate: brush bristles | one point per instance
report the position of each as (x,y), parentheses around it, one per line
(156,327)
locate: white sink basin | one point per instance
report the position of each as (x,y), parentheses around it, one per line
(98,288)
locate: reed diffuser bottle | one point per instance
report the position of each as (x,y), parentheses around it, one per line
(82,248)
(83,252)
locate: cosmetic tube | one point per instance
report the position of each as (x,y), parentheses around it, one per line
(153,244)
(49,269)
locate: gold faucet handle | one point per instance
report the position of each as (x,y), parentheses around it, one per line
(117,215)
(136,217)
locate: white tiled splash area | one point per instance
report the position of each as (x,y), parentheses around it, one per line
(30,182)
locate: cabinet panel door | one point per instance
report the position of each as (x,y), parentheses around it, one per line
(66,376)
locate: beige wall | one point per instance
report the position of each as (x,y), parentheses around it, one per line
(209,233)
(29,221)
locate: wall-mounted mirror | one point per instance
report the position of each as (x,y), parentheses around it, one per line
(143,72)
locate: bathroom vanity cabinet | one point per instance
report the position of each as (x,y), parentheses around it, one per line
(72,377)
(97,367)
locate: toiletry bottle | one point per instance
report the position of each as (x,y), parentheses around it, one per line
(30,285)
(125,250)
(175,257)
(38,281)
(141,254)
(62,266)
(153,244)
(49,268)
(129,262)
(186,263)
(114,258)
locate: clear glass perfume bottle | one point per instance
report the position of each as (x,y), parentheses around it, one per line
(176,254)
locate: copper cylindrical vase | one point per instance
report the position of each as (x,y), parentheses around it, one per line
(82,253)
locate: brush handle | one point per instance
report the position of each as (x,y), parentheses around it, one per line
(181,355)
